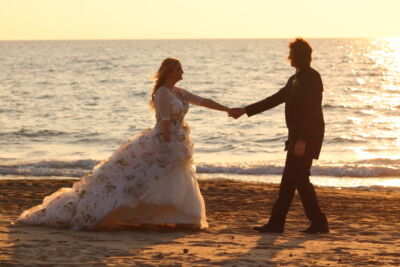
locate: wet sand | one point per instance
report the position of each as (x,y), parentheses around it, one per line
(365,231)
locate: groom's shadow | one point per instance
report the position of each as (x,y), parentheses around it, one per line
(33,245)
(276,249)
(261,249)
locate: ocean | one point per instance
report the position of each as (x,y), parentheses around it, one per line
(66,105)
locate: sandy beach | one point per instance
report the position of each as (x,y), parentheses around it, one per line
(364,232)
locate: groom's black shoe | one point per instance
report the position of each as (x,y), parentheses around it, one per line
(268,228)
(317,227)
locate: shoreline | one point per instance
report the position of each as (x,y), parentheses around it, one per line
(374,184)
(364,231)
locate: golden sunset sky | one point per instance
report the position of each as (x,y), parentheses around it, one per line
(188,19)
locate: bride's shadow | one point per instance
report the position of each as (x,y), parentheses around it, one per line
(36,246)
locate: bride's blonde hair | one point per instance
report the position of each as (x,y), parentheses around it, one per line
(161,75)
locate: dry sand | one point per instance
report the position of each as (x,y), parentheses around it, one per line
(365,231)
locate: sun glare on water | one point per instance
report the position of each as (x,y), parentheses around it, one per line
(382,117)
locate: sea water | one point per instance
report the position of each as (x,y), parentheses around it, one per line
(66,105)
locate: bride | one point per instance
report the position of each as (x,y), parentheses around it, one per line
(150,180)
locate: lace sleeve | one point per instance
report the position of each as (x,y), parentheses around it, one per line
(162,103)
(192,98)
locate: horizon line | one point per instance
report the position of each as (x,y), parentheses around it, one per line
(183,39)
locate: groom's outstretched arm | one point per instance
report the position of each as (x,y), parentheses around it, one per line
(267,103)
(263,105)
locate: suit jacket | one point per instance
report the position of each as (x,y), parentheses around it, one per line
(302,96)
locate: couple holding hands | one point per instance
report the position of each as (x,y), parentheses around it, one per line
(150,180)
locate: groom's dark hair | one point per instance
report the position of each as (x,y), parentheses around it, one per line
(302,51)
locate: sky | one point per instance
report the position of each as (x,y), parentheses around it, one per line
(196,19)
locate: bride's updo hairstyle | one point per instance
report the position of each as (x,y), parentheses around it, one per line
(161,75)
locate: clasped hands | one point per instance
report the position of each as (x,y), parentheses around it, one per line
(236,112)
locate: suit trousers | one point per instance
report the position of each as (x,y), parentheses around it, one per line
(296,176)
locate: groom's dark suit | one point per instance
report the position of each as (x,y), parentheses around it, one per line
(302,96)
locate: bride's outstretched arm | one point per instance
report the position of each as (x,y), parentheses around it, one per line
(200,101)
(209,103)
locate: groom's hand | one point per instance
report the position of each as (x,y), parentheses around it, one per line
(299,148)
(236,112)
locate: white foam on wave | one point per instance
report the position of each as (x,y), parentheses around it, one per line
(370,184)
(77,168)
(367,168)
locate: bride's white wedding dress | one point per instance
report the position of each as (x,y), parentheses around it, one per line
(145,182)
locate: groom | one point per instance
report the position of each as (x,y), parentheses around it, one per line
(302,96)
